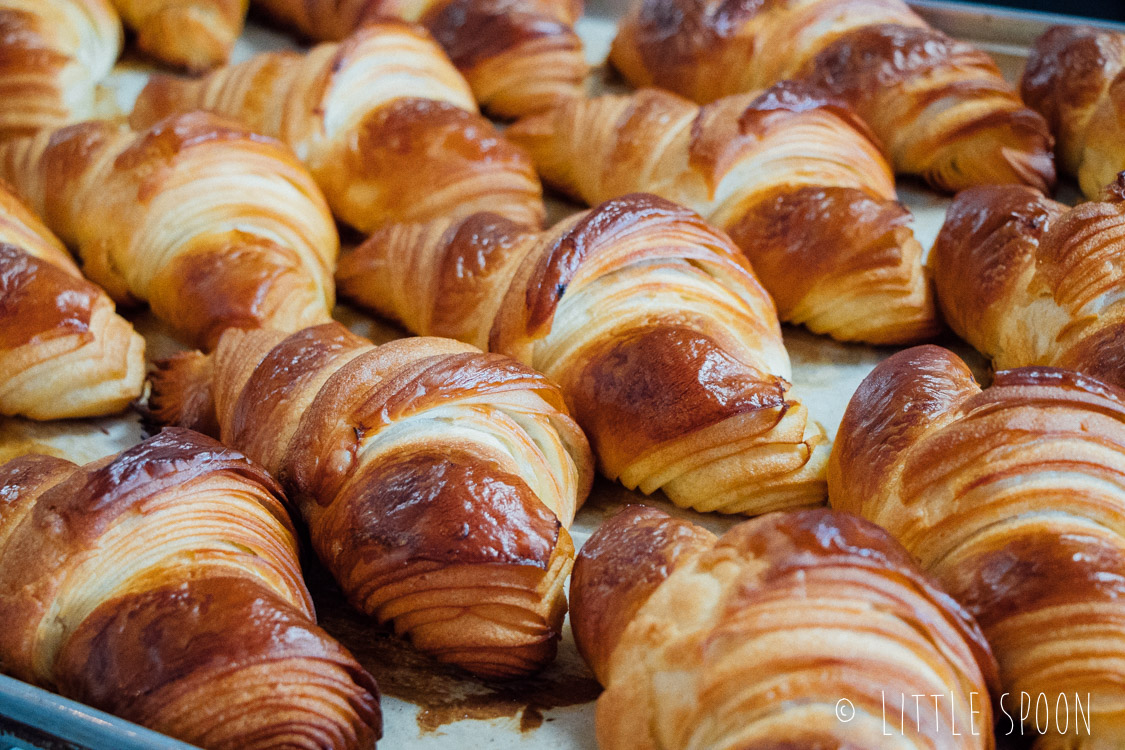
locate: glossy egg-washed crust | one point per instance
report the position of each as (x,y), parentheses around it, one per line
(162,585)
(1075,78)
(940,107)
(791,174)
(191,34)
(64,351)
(665,345)
(53,53)
(384,122)
(1013,498)
(519,56)
(754,639)
(1029,281)
(437,481)
(214,227)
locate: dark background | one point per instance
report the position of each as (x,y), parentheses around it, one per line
(1113,10)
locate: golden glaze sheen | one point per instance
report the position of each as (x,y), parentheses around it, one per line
(386,125)
(751,640)
(64,351)
(792,176)
(1075,78)
(666,347)
(1013,498)
(162,585)
(437,481)
(192,34)
(519,56)
(940,107)
(1028,281)
(53,53)
(211,225)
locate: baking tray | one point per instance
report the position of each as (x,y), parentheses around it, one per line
(427,706)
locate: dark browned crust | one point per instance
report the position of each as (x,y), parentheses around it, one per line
(40,301)
(475,31)
(1069,67)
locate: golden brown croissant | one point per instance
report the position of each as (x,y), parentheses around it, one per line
(162,585)
(667,349)
(1075,78)
(940,107)
(1029,281)
(756,639)
(64,350)
(53,55)
(791,175)
(386,125)
(1013,498)
(519,56)
(211,225)
(437,481)
(192,34)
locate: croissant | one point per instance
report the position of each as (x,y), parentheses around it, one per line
(64,350)
(212,226)
(519,56)
(1075,78)
(1029,281)
(940,107)
(809,629)
(438,482)
(666,347)
(791,175)
(1013,498)
(385,124)
(54,52)
(162,585)
(192,34)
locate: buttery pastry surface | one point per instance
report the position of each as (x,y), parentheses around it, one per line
(191,34)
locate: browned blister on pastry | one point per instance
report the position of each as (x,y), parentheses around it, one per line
(1013,498)
(191,34)
(162,585)
(437,481)
(665,345)
(385,124)
(803,629)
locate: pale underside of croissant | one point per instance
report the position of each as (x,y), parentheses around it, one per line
(437,481)
(667,348)
(755,639)
(791,175)
(519,56)
(192,34)
(1029,281)
(385,124)
(941,108)
(54,54)
(1075,78)
(212,226)
(64,350)
(1013,498)
(162,585)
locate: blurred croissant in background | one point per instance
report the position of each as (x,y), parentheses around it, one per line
(191,34)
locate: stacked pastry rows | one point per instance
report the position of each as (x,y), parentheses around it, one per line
(437,476)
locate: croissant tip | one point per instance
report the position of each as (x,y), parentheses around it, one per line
(181,393)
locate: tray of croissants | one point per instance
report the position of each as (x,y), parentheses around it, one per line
(676,375)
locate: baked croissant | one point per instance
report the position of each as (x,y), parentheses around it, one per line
(756,639)
(386,125)
(191,34)
(53,55)
(941,108)
(1013,498)
(791,175)
(1075,78)
(64,350)
(1029,281)
(667,349)
(211,225)
(162,585)
(519,56)
(437,482)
